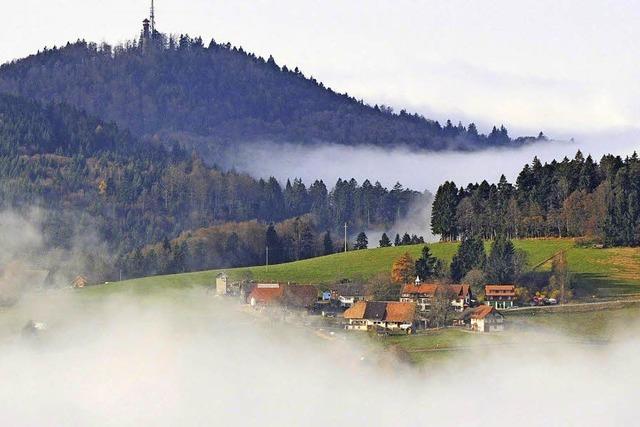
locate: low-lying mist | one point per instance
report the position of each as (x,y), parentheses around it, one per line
(189,358)
(415,170)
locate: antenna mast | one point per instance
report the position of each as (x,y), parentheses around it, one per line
(153,19)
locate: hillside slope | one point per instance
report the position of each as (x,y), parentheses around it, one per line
(599,272)
(185,90)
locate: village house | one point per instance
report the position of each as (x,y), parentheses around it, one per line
(291,296)
(422,294)
(366,315)
(486,319)
(348,294)
(500,296)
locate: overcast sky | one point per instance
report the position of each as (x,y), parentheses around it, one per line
(553,65)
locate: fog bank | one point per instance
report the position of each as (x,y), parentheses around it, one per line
(188,358)
(418,171)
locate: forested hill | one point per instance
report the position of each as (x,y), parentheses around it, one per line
(99,185)
(182,87)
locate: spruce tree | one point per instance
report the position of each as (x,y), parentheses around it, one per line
(397,241)
(426,265)
(384,241)
(362,242)
(327,244)
(470,255)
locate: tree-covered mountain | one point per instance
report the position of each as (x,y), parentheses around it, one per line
(182,88)
(90,178)
(576,198)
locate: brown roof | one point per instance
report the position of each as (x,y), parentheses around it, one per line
(266,295)
(384,311)
(422,288)
(300,295)
(356,311)
(461,290)
(483,311)
(400,312)
(431,288)
(500,290)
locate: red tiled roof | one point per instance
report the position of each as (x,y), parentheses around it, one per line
(356,311)
(482,312)
(266,295)
(400,312)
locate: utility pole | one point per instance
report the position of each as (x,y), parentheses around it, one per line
(267,262)
(345,237)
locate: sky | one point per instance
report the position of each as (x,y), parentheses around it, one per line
(563,67)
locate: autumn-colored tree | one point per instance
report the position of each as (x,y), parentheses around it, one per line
(403,269)
(560,281)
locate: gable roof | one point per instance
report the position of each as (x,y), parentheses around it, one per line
(349,289)
(266,295)
(461,290)
(375,310)
(483,311)
(382,311)
(422,288)
(500,290)
(400,312)
(430,289)
(356,311)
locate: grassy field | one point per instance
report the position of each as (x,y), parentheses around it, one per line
(598,272)
(556,329)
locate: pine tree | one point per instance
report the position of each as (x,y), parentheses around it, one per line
(384,241)
(501,263)
(406,239)
(426,265)
(397,241)
(327,244)
(362,242)
(470,255)
(274,245)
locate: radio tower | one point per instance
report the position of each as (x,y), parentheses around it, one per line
(153,20)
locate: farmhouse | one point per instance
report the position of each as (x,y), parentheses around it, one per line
(500,296)
(291,296)
(487,319)
(348,294)
(422,294)
(263,296)
(366,315)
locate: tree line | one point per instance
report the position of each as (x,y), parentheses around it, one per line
(599,202)
(92,178)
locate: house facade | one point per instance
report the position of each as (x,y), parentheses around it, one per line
(500,296)
(422,294)
(393,315)
(486,319)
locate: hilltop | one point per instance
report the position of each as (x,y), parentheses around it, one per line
(210,97)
